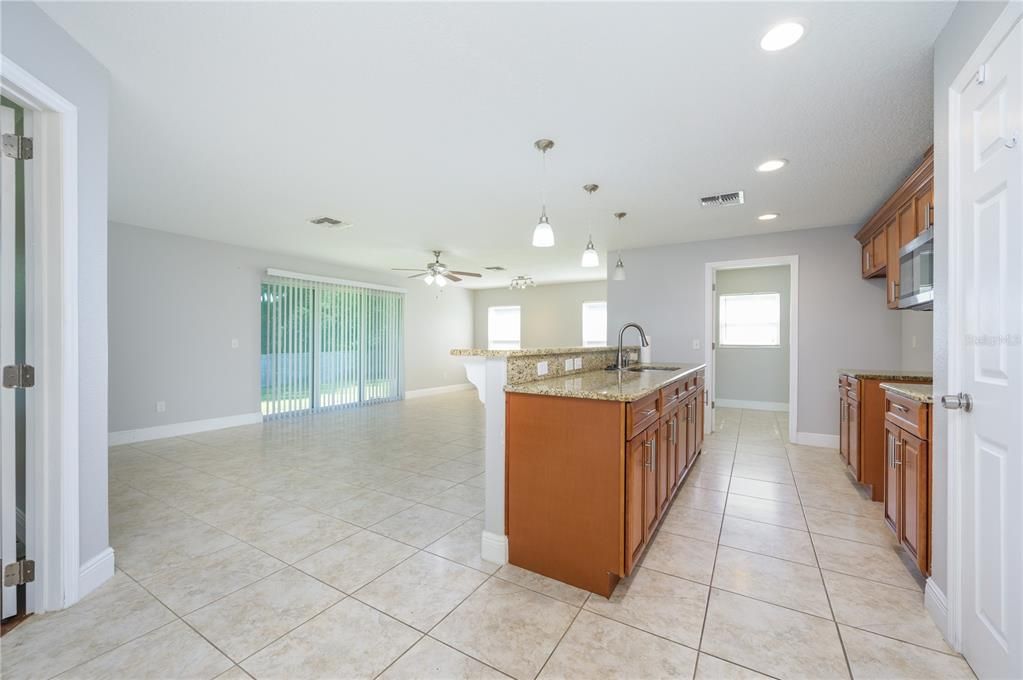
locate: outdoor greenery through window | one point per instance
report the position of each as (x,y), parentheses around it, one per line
(326,345)
(749,320)
(595,324)
(504,327)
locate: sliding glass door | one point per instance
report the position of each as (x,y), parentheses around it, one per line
(329,345)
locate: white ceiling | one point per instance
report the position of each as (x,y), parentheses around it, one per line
(237,122)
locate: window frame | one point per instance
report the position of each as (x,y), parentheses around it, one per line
(721,344)
(603,340)
(506,343)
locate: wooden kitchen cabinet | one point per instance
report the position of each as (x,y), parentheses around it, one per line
(636,478)
(907,504)
(854,437)
(661,458)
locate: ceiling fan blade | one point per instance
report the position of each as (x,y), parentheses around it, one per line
(416,276)
(395,269)
(451,277)
(468,274)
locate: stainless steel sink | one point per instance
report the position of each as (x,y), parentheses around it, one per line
(638,369)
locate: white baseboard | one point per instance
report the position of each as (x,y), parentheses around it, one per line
(824,441)
(752,405)
(180,429)
(937,606)
(95,572)
(443,389)
(494,548)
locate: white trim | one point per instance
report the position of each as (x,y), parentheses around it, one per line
(52,481)
(954,445)
(821,441)
(430,391)
(283,273)
(494,547)
(754,405)
(937,606)
(95,572)
(181,429)
(710,272)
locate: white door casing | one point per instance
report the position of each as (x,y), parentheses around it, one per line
(8,506)
(986,357)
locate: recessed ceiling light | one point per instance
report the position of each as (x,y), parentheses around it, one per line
(767,217)
(782,36)
(772,165)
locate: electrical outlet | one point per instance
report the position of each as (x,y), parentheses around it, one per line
(541,368)
(578,362)
(696,343)
(161,406)
(914,342)
(234,343)
(568,364)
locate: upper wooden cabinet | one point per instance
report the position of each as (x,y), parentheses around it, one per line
(906,214)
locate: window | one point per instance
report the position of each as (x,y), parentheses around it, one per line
(594,324)
(752,320)
(504,328)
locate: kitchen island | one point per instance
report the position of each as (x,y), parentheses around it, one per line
(593,460)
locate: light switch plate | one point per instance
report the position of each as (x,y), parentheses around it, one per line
(578,362)
(234,343)
(541,368)
(568,364)
(696,343)
(161,406)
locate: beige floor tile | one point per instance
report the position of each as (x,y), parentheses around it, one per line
(709,480)
(418,487)
(47,644)
(686,521)
(507,626)
(455,470)
(222,573)
(701,499)
(851,527)
(873,657)
(369,508)
(780,582)
(251,618)
(421,590)
(762,474)
(432,660)
(154,547)
(886,610)
(782,493)
(462,544)
(680,556)
(254,515)
(598,648)
(657,603)
(234,673)
(298,540)
(419,525)
(173,651)
(543,585)
(712,668)
(851,504)
(769,512)
(771,639)
(460,499)
(355,561)
(768,539)
(349,640)
(871,562)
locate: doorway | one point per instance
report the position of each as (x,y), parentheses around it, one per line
(751,344)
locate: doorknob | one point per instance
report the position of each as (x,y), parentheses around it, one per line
(957,402)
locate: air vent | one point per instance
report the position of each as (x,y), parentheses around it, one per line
(329,222)
(495,268)
(732,198)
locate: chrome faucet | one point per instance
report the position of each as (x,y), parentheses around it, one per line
(621,361)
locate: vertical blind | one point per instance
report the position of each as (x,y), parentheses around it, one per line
(329,345)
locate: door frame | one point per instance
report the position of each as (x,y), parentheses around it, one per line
(952,600)
(710,274)
(51,484)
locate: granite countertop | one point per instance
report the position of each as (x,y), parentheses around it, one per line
(921,393)
(534,351)
(887,374)
(607,385)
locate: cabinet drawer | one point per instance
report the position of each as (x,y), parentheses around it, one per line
(910,415)
(671,395)
(853,386)
(641,414)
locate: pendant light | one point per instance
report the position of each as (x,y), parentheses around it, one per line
(522,282)
(590,256)
(543,234)
(619,273)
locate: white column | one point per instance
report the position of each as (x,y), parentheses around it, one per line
(494,542)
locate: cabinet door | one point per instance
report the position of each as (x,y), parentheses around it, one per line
(701,395)
(690,431)
(678,452)
(913,533)
(907,222)
(843,425)
(853,422)
(662,467)
(892,489)
(650,506)
(924,208)
(635,483)
(867,260)
(892,278)
(879,248)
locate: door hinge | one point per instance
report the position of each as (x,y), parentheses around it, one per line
(713,345)
(19,376)
(981,75)
(18,147)
(712,405)
(18,573)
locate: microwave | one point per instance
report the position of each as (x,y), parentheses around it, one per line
(916,272)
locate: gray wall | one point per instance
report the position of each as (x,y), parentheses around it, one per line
(843,320)
(917,340)
(755,373)
(551,315)
(967,26)
(177,302)
(34,42)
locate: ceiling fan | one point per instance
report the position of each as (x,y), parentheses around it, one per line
(438,272)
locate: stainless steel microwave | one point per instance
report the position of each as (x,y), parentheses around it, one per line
(916,272)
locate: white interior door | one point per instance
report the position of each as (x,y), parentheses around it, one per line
(8,437)
(988,229)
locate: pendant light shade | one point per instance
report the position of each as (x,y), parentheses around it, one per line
(429,279)
(619,273)
(590,256)
(441,281)
(543,234)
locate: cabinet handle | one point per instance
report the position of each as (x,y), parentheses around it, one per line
(900,407)
(898,453)
(649,455)
(649,412)
(653,455)
(868,260)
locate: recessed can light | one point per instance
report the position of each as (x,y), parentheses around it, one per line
(772,165)
(766,217)
(781,36)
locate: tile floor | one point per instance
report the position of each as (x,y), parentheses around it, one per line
(347,546)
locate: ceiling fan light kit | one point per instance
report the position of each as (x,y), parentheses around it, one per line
(522,282)
(437,272)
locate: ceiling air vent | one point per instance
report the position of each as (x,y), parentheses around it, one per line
(496,268)
(731,198)
(329,222)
